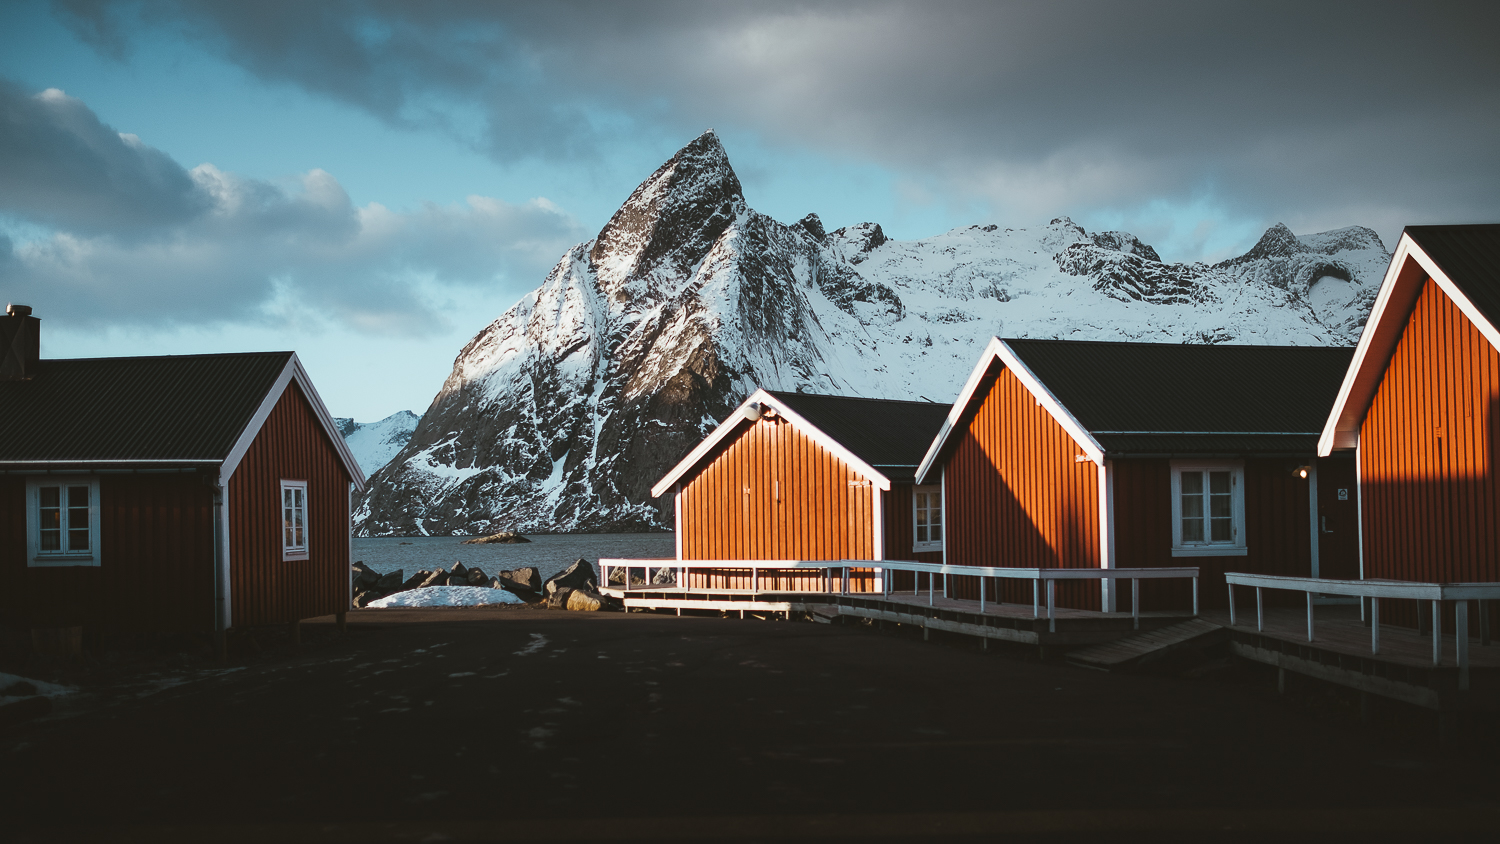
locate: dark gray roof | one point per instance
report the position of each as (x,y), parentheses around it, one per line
(139,409)
(1174,398)
(1470,256)
(890,435)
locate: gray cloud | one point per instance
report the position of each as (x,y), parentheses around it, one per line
(1295,111)
(59,165)
(171,246)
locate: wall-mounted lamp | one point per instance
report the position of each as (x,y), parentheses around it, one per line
(753,411)
(1302,471)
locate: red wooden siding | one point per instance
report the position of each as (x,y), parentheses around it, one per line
(264,589)
(1016,496)
(156,559)
(1277,533)
(1430,505)
(900,533)
(773,493)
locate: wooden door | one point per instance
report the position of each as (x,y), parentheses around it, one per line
(1338,519)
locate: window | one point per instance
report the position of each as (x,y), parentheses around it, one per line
(1208,509)
(62,521)
(294,520)
(927,517)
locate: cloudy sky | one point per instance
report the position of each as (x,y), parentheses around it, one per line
(370,183)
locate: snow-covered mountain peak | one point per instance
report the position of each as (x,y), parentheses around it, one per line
(670,221)
(562,412)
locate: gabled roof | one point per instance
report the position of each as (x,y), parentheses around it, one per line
(882,439)
(1464,261)
(1169,399)
(182,410)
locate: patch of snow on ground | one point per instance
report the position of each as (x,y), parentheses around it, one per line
(447,596)
(43,688)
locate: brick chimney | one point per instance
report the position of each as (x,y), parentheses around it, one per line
(20,343)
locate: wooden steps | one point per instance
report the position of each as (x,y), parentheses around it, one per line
(1131,649)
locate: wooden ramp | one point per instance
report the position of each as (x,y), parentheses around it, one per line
(1136,647)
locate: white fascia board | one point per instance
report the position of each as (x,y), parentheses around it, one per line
(731,424)
(1410,267)
(997,349)
(293,371)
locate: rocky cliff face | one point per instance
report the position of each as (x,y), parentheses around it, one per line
(562,413)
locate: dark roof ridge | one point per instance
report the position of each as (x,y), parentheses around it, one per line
(199,355)
(1138,343)
(780,393)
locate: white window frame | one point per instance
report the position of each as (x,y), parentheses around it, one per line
(930,545)
(290,551)
(35,556)
(1236,548)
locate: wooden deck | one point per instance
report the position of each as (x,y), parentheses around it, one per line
(1340,653)
(1137,647)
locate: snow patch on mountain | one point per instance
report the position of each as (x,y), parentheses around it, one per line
(375,443)
(562,412)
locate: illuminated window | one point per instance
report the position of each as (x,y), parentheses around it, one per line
(62,521)
(294,520)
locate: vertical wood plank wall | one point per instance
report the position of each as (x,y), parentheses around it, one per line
(264,588)
(1431,509)
(901,534)
(1016,497)
(156,560)
(1277,533)
(773,493)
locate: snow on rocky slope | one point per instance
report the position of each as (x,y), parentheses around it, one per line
(375,443)
(562,413)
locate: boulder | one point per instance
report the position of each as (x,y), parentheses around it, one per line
(363,575)
(520,580)
(558,599)
(363,599)
(665,576)
(504,536)
(415,581)
(459,572)
(586,600)
(437,578)
(580,575)
(389,582)
(617,576)
(477,577)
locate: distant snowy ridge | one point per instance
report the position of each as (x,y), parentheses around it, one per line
(375,443)
(561,414)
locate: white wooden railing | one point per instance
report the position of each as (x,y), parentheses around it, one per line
(1460,593)
(681,582)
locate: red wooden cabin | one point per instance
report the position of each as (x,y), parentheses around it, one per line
(173,494)
(1081,454)
(795,476)
(1420,406)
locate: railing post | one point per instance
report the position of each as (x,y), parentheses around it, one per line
(1374,625)
(1461,628)
(981,595)
(754,580)
(929,589)
(1260,613)
(1135,602)
(1231,602)
(1309,617)
(1437,633)
(1051,605)
(1195,597)
(1035,613)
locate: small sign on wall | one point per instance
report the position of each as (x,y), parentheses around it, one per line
(1343,494)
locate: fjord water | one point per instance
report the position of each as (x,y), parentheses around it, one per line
(549,553)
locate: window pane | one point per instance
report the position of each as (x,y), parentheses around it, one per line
(1221,507)
(50,518)
(1192,506)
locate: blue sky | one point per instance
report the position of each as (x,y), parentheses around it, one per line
(370,183)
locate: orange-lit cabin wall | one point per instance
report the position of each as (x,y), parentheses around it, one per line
(265,589)
(1431,509)
(1016,496)
(771,492)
